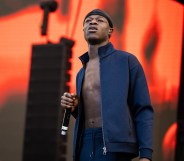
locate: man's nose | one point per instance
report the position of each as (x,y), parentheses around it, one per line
(93,21)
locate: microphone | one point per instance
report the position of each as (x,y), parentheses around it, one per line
(47,6)
(66,120)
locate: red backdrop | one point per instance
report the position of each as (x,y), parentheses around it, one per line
(152,30)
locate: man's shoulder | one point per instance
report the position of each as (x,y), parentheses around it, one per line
(125,54)
(131,58)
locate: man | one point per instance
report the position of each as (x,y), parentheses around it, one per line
(114,116)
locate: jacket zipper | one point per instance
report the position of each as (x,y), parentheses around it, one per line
(104,145)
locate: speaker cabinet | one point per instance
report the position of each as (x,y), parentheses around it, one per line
(48,77)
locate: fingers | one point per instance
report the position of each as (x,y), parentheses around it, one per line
(68,95)
(75,99)
(67,106)
(69,100)
(74,95)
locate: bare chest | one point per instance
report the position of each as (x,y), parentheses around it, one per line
(91,95)
(92,76)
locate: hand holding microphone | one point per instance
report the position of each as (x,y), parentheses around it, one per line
(69,102)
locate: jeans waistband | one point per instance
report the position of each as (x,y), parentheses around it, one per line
(92,131)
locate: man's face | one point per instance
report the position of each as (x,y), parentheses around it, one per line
(96,29)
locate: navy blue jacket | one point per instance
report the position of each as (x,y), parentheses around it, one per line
(127,114)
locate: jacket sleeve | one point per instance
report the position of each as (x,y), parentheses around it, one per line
(75,112)
(140,105)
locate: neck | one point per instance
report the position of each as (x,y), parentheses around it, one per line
(93,50)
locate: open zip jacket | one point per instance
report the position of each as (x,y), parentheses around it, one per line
(127,114)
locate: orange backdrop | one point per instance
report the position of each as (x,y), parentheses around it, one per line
(152,30)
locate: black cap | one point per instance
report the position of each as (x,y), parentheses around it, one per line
(101,13)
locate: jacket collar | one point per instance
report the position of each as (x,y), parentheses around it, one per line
(103,51)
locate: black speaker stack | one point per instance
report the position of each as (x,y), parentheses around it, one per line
(49,75)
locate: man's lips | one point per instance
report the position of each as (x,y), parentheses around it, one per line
(92,28)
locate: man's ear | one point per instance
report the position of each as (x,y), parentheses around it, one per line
(110,31)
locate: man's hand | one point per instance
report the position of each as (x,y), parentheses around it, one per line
(144,159)
(69,101)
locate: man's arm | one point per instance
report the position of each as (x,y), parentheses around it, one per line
(140,105)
